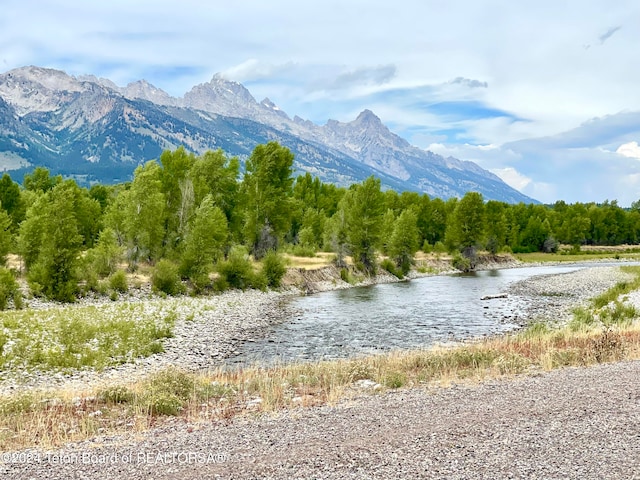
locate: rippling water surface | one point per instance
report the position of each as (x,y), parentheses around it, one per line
(419,313)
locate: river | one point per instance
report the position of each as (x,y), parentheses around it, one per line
(414,314)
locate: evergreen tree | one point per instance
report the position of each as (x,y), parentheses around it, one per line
(11,201)
(6,237)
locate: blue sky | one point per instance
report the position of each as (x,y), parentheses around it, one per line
(545,94)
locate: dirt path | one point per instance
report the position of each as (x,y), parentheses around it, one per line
(572,423)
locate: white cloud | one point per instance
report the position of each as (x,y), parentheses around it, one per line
(512,177)
(629,150)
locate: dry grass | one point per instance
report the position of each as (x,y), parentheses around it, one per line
(47,419)
(322,259)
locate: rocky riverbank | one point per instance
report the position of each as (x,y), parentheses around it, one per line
(553,297)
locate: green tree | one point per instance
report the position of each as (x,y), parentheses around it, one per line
(495,225)
(106,254)
(144,214)
(32,230)
(267,189)
(11,200)
(336,234)
(386,230)
(466,228)
(54,270)
(364,207)
(40,180)
(216,174)
(177,187)
(204,243)
(6,237)
(405,240)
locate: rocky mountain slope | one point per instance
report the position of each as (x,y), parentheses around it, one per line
(92,129)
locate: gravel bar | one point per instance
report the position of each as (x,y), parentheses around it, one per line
(581,423)
(553,297)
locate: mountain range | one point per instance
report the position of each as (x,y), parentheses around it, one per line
(93,130)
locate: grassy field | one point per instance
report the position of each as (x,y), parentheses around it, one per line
(537,257)
(605,331)
(62,339)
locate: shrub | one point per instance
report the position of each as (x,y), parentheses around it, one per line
(165,278)
(346,276)
(273,269)
(8,287)
(167,391)
(302,251)
(162,403)
(461,263)
(237,270)
(395,380)
(116,394)
(390,267)
(439,247)
(492,245)
(118,282)
(550,245)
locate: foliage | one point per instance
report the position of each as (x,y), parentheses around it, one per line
(83,336)
(104,257)
(6,237)
(266,189)
(118,281)
(204,242)
(363,211)
(165,278)
(8,288)
(404,242)
(466,228)
(51,255)
(40,180)
(237,270)
(144,210)
(461,263)
(391,267)
(273,269)
(11,200)
(191,210)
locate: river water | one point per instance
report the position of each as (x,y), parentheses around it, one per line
(414,314)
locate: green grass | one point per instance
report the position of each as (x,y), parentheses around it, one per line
(74,337)
(539,257)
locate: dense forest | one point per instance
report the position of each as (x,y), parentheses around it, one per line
(188,216)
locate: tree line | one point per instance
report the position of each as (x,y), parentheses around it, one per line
(189,216)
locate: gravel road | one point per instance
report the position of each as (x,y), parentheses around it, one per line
(572,423)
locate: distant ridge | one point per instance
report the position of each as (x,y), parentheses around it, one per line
(90,128)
